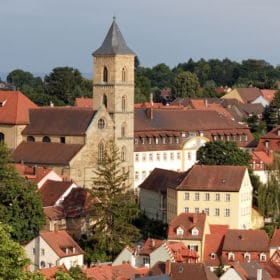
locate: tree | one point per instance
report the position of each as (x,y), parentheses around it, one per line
(64,84)
(12,256)
(20,203)
(18,78)
(222,153)
(114,205)
(76,273)
(272,112)
(186,84)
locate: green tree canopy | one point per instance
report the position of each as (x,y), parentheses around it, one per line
(116,208)
(222,153)
(20,203)
(186,84)
(64,84)
(12,256)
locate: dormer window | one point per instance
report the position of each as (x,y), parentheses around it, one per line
(179,231)
(195,231)
(46,139)
(262,257)
(231,256)
(266,144)
(2,103)
(247,256)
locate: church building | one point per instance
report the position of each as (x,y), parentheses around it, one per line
(72,140)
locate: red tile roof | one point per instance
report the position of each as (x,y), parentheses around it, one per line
(268,94)
(249,270)
(14,107)
(215,178)
(259,157)
(108,272)
(150,245)
(246,241)
(213,244)
(61,242)
(180,252)
(60,121)
(84,102)
(52,191)
(160,179)
(275,240)
(45,153)
(54,212)
(32,173)
(49,273)
(249,94)
(187,221)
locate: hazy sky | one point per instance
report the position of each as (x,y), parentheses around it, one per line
(38,35)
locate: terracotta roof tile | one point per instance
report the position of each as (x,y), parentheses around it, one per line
(160,179)
(45,153)
(52,191)
(213,244)
(83,102)
(275,240)
(249,94)
(269,94)
(246,241)
(49,273)
(60,121)
(215,178)
(187,221)
(32,173)
(248,270)
(14,107)
(150,245)
(54,212)
(59,241)
(182,271)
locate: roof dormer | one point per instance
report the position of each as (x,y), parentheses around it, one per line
(179,231)
(3,102)
(195,231)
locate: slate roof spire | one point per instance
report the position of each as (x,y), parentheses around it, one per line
(114,42)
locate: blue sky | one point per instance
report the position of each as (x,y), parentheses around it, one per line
(38,35)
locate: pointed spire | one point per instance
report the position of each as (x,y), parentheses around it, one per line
(114,42)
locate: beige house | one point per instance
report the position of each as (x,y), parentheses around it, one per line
(54,248)
(14,108)
(224,193)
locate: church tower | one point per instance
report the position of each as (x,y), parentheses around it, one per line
(113,86)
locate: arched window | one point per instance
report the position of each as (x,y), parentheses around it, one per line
(43,264)
(46,139)
(2,137)
(101,123)
(100,153)
(123,130)
(123,154)
(105,74)
(30,139)
(105,101)
(124,75)
(123,103)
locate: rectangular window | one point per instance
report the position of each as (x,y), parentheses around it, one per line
(143,141)
(136,157)
(143,175)
(136,141)
(34,251)
(170,139)
(217,212)
(207,196)
(158,156)
(196,210)
(42,252)
(62,139)
(186,209)
(217,197)
(171,156)
(178,155)
(193,247)
(177,140)
(164,156)
(227,212)
(227,197)
(163,140)
(150,156)
(187,196)
(150,140)
(206,211)
(136,175)
(196,196)
(156,141)
(143,157)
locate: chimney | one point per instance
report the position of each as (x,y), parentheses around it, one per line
(259,274)
(149,113)
(151,99)
(168,267)
(206,102)
(152,242)
(51,104)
